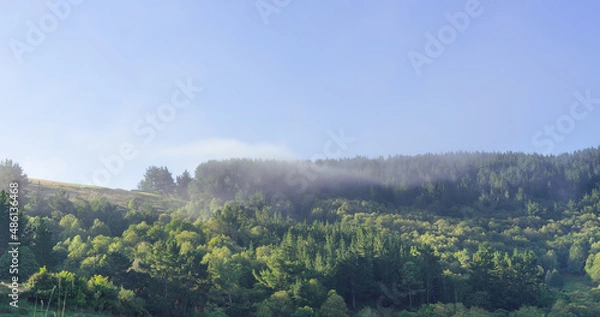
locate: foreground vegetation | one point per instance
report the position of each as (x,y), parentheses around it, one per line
(462,234)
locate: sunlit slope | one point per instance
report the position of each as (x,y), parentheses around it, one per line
(115,196)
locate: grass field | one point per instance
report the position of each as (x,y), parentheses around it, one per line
(115,196)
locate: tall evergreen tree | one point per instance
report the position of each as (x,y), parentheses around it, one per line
(43,242)
(182,183)
(157,180)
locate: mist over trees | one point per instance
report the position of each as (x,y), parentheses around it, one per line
(182,183)
(12,172)
(457,234)
(443,184)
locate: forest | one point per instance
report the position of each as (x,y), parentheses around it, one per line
(444,235)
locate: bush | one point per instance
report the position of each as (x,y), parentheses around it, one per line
(98,293)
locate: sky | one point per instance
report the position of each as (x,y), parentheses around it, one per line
(94,92)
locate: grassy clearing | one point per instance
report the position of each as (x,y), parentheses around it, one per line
(115,196)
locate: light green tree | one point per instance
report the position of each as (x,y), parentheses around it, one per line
(334,306)
(278,304)
(592,267)
(224,272)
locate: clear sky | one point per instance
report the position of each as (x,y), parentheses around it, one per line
(284,78)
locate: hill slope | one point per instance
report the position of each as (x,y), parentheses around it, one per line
(116,196)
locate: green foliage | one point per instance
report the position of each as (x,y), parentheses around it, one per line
(459,234)
(224,272)
(593,267)
(305,311)
(334,306)
(43,243)
(157,180)
(212,310)
(309,293)
(99,228)
(528,311)
(503,281)
(578,254)
(66,289)
(47,286)
(555,280)
(182,183)
(278,304)
(104,293)
(11,171)
(5,205)
(23,269)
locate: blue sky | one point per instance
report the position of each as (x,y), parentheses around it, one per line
(286,83)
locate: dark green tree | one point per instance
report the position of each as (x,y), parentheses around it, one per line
(354,275)
(26,266)
(157,180)
(43,243)
(182,183)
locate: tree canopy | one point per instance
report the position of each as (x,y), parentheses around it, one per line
(458,234)
(157,180)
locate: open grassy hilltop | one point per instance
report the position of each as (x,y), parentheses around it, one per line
(121,197)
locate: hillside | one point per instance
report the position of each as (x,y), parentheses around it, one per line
(119,197)
(448,235)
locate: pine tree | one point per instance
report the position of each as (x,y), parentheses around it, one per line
(157,180)
(182,183)
(43,243)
